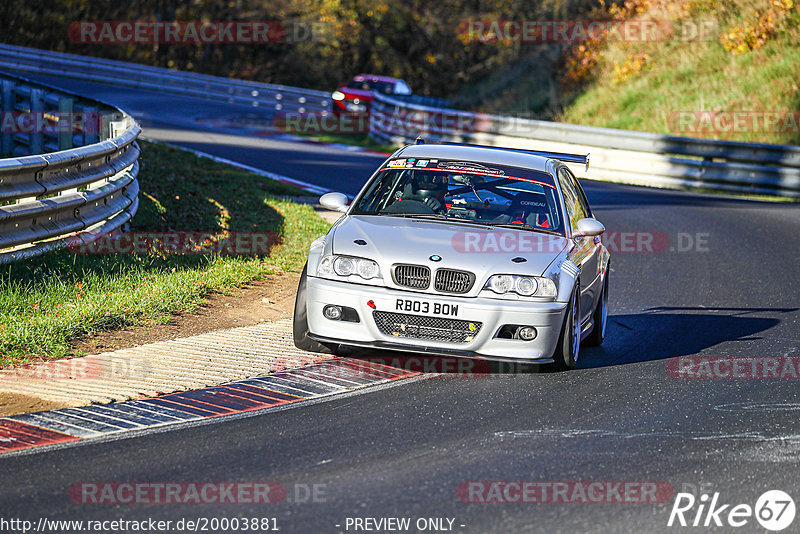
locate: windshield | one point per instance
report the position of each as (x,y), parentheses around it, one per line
(372,85)
(467,191)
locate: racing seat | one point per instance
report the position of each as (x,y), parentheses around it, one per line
(527,208)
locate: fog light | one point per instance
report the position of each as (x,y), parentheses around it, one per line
(526,333)
(334,313)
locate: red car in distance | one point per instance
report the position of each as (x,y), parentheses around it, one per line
(355,96)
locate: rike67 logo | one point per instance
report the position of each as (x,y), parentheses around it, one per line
(774,510)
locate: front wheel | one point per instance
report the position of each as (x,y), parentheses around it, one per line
(600,318)
(569,342)
(300,322)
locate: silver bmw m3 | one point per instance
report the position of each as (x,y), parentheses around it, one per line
(460,250)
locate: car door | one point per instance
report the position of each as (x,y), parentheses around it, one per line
(586,252)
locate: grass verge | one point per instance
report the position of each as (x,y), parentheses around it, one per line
(47,301)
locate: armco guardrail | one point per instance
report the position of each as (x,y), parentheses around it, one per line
(616,155)
(258,95)
(50,192)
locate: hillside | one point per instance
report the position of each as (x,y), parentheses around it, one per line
(739,80)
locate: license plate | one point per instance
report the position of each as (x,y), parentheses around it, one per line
(425,307)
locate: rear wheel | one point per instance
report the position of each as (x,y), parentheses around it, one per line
(300,322)
(569,342)
(600,318)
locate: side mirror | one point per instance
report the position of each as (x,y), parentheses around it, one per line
(334,201)
(588,227)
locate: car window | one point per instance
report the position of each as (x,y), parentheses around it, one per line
(587,211)
(468,191)
(401,88)
(574,201)
(372,85)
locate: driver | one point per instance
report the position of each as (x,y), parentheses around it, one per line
(429,188)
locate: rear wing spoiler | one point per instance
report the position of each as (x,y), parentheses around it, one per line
(561,156)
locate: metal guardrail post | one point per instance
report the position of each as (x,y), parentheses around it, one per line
(105,126)
(37,112)
(92,121)
(65,112)
(7,107)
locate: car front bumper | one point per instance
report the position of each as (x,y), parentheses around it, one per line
(546,317)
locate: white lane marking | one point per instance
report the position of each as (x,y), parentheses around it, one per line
(696,436)
(759,406)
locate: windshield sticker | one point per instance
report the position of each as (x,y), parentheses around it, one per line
(397,163)
(465,166)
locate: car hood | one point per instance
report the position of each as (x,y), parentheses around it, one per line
(479,249)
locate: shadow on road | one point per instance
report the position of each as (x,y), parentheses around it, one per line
(669,332)
(656,334)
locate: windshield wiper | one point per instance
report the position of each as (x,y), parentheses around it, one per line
(440,217)
(416,215)
(522,227)
(435,217)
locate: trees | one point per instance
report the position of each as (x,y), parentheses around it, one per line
(325,42)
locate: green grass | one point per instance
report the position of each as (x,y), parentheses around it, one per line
(697,76)
(47,301)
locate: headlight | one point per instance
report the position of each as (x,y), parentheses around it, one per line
(325,266)
(368,269)
(344,266)
(337,95)
(348,265)
(501,283)
(527,286)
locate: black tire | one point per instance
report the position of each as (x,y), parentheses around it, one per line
(566,355)
(300,322)
(600,317)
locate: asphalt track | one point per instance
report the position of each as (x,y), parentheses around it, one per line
(403,451)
